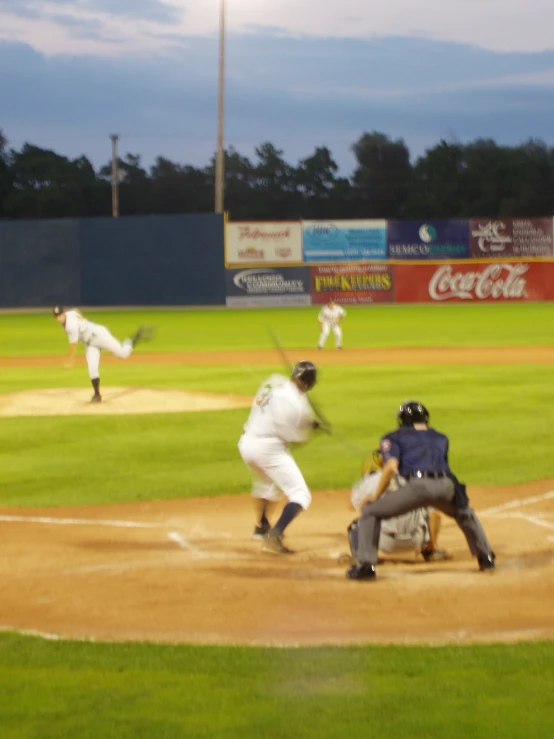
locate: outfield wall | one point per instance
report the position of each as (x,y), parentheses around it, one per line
(139,260)
(311,262)
(204,260)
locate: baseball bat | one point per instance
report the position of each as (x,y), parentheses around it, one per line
(324,423)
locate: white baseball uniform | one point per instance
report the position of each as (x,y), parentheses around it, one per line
(95,337)
(409,531)
(280,415)
(330,317)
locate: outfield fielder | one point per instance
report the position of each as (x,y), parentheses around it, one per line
(329,319)
(280,415)
(95,338)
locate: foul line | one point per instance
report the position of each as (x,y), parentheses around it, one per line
(180,540)
(82,522)
(517,503)
(530,519)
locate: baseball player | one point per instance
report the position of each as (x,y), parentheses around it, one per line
(420,455)
(95,338)
(416,531)
(329,319)
(280,415)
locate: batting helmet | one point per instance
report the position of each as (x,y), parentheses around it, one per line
(412,412)
(305,373)
(58,310)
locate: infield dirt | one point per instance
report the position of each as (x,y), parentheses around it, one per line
(187,570)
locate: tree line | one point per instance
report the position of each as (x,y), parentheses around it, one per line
(450,180)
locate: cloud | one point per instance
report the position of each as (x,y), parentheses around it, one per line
(21,8)
(156,11)
(499,25)
(148,10)
(75,22)
(295,94)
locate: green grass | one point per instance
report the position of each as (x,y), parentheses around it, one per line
(54,690)
(491,413)
(499,422)
(501,324)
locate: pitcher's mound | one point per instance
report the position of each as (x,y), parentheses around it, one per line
(115,401)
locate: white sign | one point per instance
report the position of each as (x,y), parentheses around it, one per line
(263,242)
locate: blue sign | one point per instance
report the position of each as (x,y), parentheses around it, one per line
(344,241)
(428,239)
(270,286)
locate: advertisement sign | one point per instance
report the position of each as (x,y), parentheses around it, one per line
(344,241)
(268,242)
(511,237)
(362,283)
(474,282)
(428,239)
(261,286)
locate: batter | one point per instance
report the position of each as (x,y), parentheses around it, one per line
(95,338)
(280,415)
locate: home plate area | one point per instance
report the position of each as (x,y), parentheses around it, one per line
(188,571)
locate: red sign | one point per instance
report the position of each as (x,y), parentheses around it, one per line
(349,284)
(474,282)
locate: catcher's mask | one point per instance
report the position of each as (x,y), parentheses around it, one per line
(57,310)
(412,412)
(305,373)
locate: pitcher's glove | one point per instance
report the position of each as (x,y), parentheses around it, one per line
(322,426)
(373,463)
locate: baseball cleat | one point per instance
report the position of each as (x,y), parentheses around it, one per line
(260,531)
(362,571)
(273,544)
(96,398)
(143,333)
(487,563)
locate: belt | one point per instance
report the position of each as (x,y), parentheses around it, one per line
(424,473)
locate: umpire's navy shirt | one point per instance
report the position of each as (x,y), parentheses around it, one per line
(425,450)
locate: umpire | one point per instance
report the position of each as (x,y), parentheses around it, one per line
(420,455)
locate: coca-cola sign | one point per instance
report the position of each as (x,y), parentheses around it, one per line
(494,281)
(268,243)
(474,282)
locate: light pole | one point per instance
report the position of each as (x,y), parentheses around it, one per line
(219,157)
(115,177)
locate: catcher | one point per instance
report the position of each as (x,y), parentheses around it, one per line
(416,531)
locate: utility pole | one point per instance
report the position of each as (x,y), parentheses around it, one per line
(219,157)
(115,177)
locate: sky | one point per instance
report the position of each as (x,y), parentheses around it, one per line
(298,73)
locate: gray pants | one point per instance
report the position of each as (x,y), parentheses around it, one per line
(418,493)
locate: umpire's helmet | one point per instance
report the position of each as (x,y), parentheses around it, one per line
(57,310)
(305,373)
(412,412)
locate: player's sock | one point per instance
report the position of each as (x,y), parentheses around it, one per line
(290,511)
(96,385)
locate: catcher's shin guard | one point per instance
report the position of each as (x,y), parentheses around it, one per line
(353,538)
